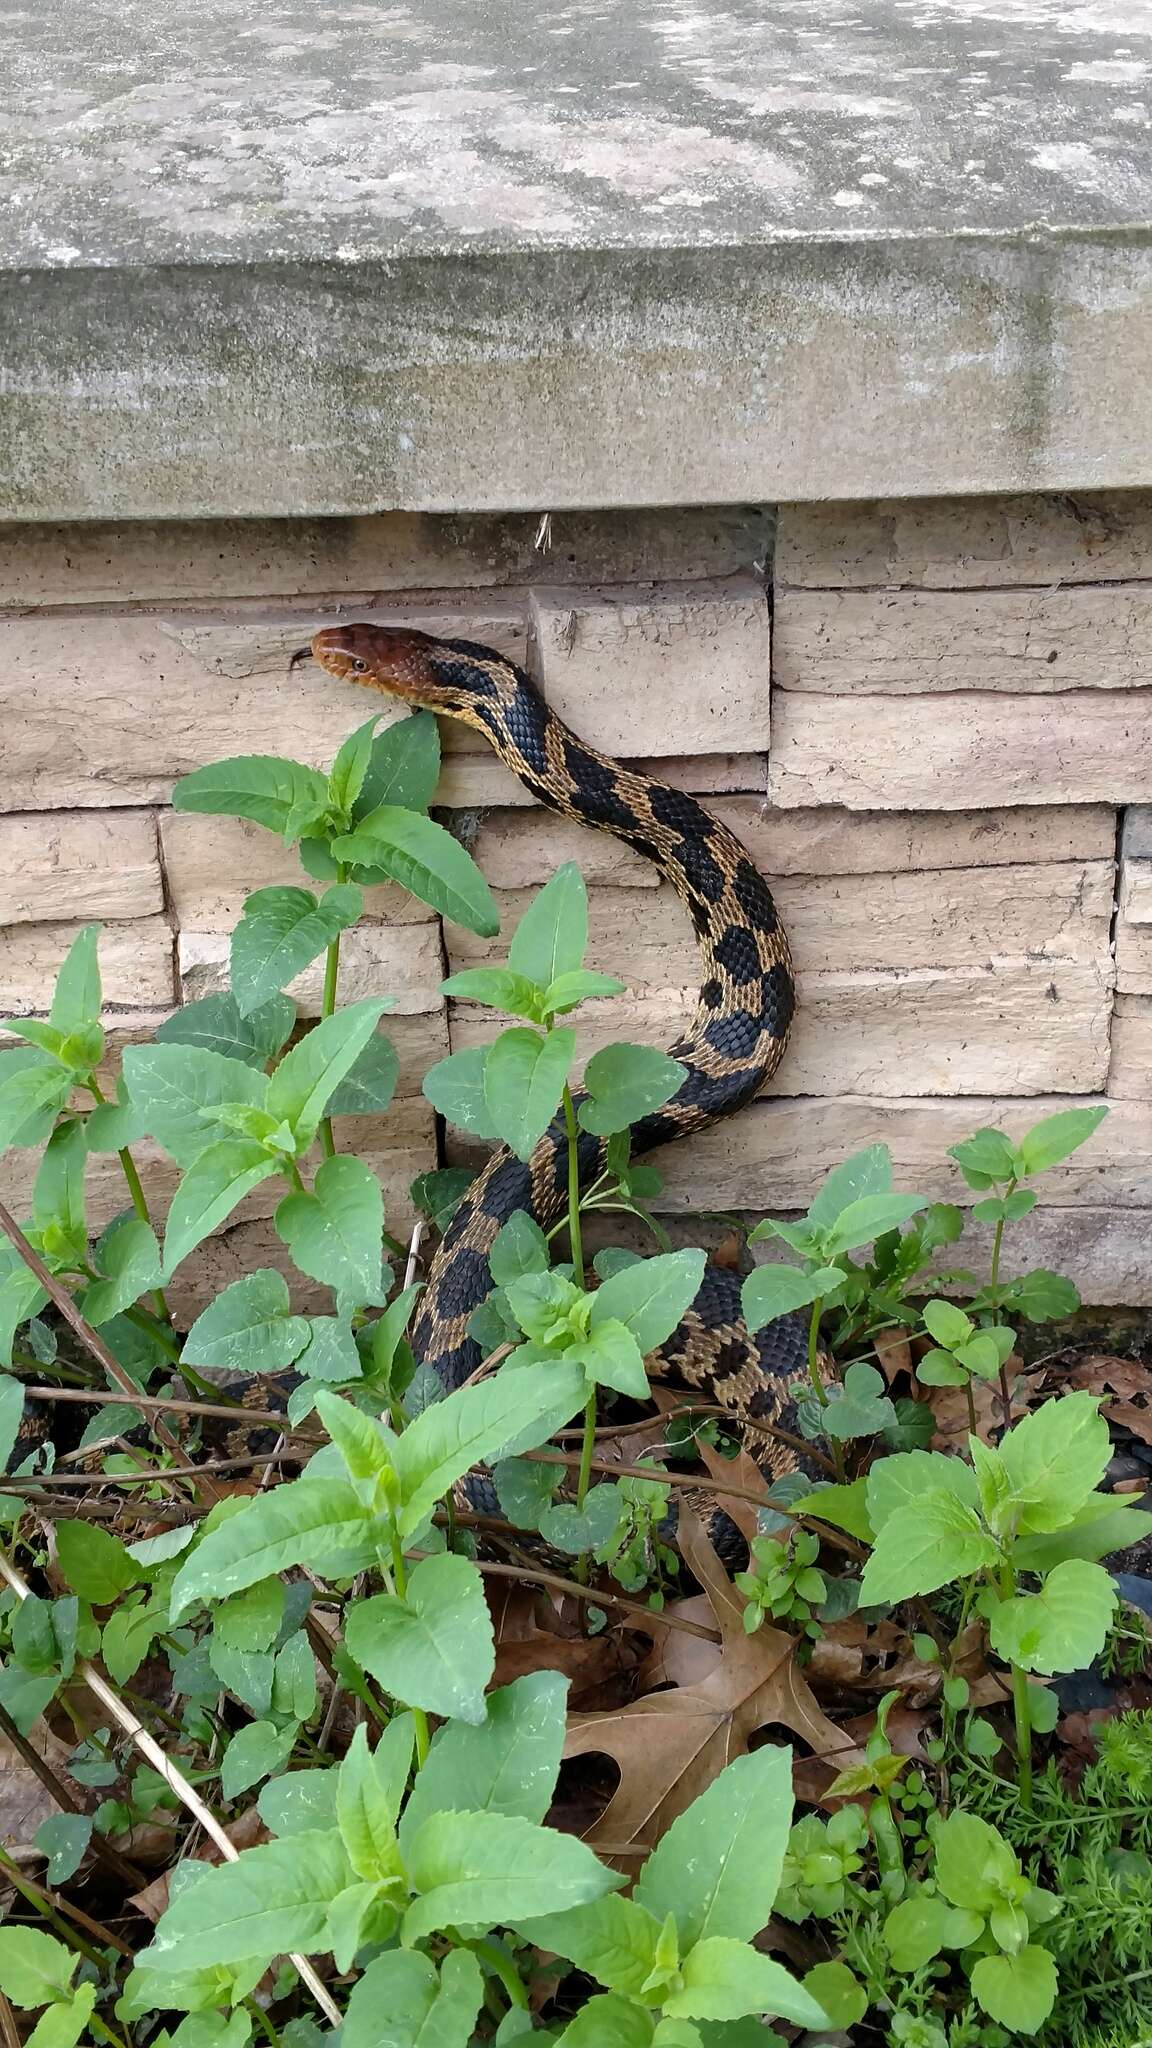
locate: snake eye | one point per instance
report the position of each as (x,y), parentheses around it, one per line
(359,668)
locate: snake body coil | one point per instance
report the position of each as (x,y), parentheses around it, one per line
(731,1048)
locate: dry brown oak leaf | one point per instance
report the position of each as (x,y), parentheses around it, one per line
(670,1745)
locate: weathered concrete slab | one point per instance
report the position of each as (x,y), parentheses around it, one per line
(513,258)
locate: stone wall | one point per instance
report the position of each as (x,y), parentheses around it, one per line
(942,762)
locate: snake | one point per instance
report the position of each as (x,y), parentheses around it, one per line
(729,1050)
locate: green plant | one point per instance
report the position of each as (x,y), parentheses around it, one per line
(319,1656)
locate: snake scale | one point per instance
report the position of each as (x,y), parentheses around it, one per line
(732,1046)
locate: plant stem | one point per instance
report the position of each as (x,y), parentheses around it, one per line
(328,1009)
(419,1717)
(293,1176)
(813,1347)
(576,1245)
(501,1966)
(32,1896)
(993,1283)
(574,1237)
(105,2033)
(262,2020)
(1022,1714)
(1021,1706)
(136,1190)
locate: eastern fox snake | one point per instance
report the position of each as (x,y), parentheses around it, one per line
(732,1047)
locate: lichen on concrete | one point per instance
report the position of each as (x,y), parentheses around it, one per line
(337,257)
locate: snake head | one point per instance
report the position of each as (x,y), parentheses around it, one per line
(440,675)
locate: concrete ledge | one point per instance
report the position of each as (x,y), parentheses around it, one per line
(473,258)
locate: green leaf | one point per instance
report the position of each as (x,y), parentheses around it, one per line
(389,1328)
(94,1562)
(1042,1296)
(77,997)
(1017,1991)
(517,1410)
(11,1416)
(404,767)
(257,786)
(1055,1457)
(281,932)
(249,1327)
(624,1083)
(902,1480)
(865,1173)
(524,1076)
(258,1751)
(918,1928)
(552,935)
(455,1087)
(987,1156)
(507,1763)
(725,1979)
(367,1802)
(417,852)
(611,1357)
(946,1323)
(370,1083)
(718,1867)
(1105,1523)
(920,1548)
(438,1195)
(320,1523)
(613,1939)
(60,2026)
(867,1218)
(252,1620)
(171,1084)
(524,1489)
(332,1354)
(499,989)
(309,1075)
(401,2002)
(610,2022)
(21,1295)
(975,1866)
(588,1528)
(1060,1628)
(215,1024)
(210,1190)
(34,1967)
(1055,1137)
(839,1992)
(843,1506)
(127,1637)
(774,1291)
(299,1802)
(348,770)
(58,1193)
(33,1088)
(64,1838)
(433,1648)
(480,1869)
(519,1247)
(650,1298)
(862,1407)
(335,1234)
(580,986)
(129,1259)
(272,1900)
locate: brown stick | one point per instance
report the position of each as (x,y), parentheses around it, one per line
(76,1913)
(598,1599)
(58,1790)
(91,1341)
(700,1483)
(236,1412)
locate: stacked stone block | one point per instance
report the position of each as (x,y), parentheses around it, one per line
(928,722)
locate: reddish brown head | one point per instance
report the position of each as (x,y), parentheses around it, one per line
(449,676)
